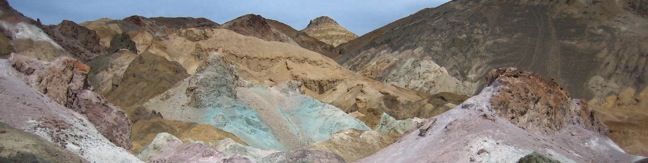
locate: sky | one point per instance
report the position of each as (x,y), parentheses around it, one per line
(359,16)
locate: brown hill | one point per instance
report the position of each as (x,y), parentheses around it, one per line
(272,30)
(592,48)
(329,31)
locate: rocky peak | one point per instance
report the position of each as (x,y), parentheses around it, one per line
(251,25)
(251,19)
(534,103)
(322,20)
(329,31)
(136,19)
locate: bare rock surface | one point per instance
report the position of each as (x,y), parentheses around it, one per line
(538,105)
(25,108)
(65,81)
(329,31)
(482,130)
(76,39)
(20,146)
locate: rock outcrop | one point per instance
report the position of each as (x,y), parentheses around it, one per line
(26,109)
(538,105)
(329,31)
(272,30)
(76,39)
(484,129)
(65,81)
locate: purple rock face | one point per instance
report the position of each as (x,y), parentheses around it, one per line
(25,108)
(65,81)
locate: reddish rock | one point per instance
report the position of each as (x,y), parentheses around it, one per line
(255,26)
(534,103)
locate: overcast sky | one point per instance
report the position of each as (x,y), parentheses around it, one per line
(359,16)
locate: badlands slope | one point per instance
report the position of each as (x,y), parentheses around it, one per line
(503,123)
(595,49)
(212,76)
(256,90)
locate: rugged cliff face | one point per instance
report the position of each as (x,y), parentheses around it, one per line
(27,109)
(65,81)
(592,48)
(329,31)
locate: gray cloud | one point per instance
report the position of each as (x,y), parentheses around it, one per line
(359,16)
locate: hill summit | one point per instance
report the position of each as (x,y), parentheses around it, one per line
(329,31)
